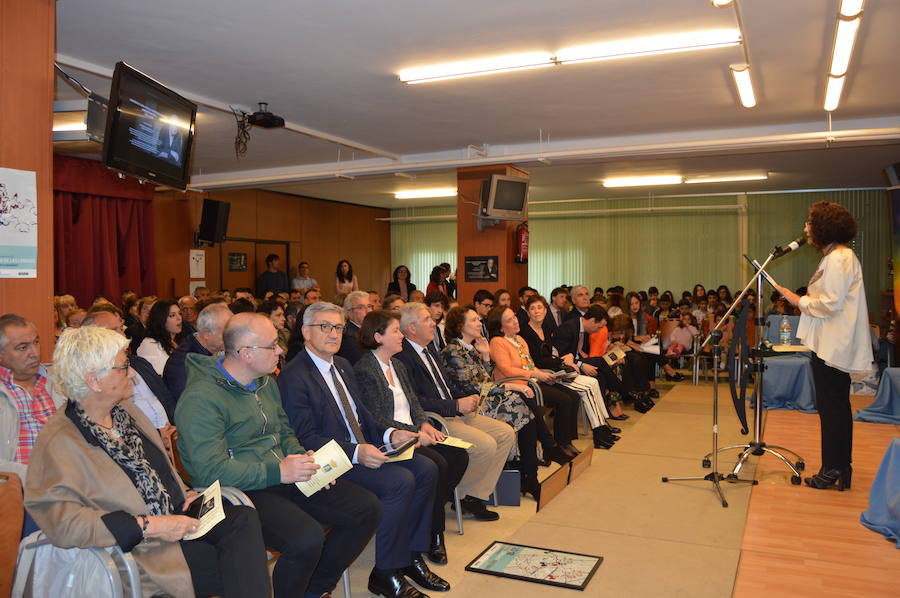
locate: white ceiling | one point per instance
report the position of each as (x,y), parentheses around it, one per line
(329,68)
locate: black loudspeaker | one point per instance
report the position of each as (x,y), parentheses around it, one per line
(214,221)
(892,173)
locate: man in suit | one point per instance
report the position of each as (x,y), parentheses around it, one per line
(206,341)
(572,339)
(492,439)
(321,398)
(483,301)
(559,306)
(232,428)
(521,313)
(581,300)
(437,305)
(356,306)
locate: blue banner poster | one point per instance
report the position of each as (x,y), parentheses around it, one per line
(18,223)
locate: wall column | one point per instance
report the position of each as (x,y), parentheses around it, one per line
(499,240)
(27,52)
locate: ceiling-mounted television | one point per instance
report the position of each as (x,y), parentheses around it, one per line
(504,197)
(149,129)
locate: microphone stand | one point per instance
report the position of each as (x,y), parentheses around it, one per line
(757,447)
(757,355)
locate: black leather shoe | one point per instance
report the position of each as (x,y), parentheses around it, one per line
(478,510)
(530,485)
(654,394)
(569,448)
(613,429)
(621,417)
(437,553)
(392,584)
(422,575)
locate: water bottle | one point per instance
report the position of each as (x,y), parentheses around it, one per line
(784,331)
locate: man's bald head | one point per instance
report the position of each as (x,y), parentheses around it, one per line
(245,329)
(105,319)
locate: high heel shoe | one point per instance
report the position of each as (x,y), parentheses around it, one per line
(603,438)
(675,378)
(827,479)
(570,450)
(613,429)
(558,455)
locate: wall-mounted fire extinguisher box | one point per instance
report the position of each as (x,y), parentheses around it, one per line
(522,243)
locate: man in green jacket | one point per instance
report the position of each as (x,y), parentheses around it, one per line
(232,428)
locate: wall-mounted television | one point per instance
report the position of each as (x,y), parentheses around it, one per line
(504,197)
(149,129)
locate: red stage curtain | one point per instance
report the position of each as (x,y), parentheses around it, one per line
(103,227)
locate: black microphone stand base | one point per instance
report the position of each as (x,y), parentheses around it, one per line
(715,477)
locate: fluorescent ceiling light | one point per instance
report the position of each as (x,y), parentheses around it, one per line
(641,181)
(844,39)
(833,93)
(423,193)
(728,178)
(741,73)
(851,8)
(474,68)
(646,46)
(70,127)
(722,3)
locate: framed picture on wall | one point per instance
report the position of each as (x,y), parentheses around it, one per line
(482,268)
(237,262)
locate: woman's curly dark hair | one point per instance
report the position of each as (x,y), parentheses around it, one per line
(830,223)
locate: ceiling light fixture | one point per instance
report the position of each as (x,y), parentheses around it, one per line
(648,46)
(722,3)
(833,90)
(425,193)
(70,127)
(474,68)
(626,48)
(848,21)
(741,74)
(851,8)
(727,178)
(643,181)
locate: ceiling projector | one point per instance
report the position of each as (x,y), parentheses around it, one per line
(265,119)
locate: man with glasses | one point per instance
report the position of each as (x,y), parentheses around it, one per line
(321,398)
(356,305)
(483,301)
(232,428)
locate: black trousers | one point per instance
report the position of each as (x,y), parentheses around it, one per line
(230,559)
(451,463)
(634,374)
(566,403)
(835,416)
(294,525)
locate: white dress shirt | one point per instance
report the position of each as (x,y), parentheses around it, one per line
(324,368)
(147,402)
(401,403)
(152,351)
(834,320)
(420,352)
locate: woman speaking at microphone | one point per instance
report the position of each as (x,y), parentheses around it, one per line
(834,324)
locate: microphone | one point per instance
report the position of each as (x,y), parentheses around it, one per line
(793,245)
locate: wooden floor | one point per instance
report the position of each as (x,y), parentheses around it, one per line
(804,542)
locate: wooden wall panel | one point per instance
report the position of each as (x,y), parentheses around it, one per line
(27,52)
(320,232)
(496,240)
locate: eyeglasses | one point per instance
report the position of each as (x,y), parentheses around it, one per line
(327,327)
(271,347)
(487,304)
(125,366)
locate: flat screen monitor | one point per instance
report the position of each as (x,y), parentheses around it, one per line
(505,197)
(149,129)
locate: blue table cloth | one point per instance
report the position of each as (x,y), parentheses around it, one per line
(886,407)
(788,383)
(883,514)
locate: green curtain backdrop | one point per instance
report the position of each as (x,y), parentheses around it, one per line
(665,242)
(422,245)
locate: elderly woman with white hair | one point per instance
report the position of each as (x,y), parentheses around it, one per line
(99,476)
